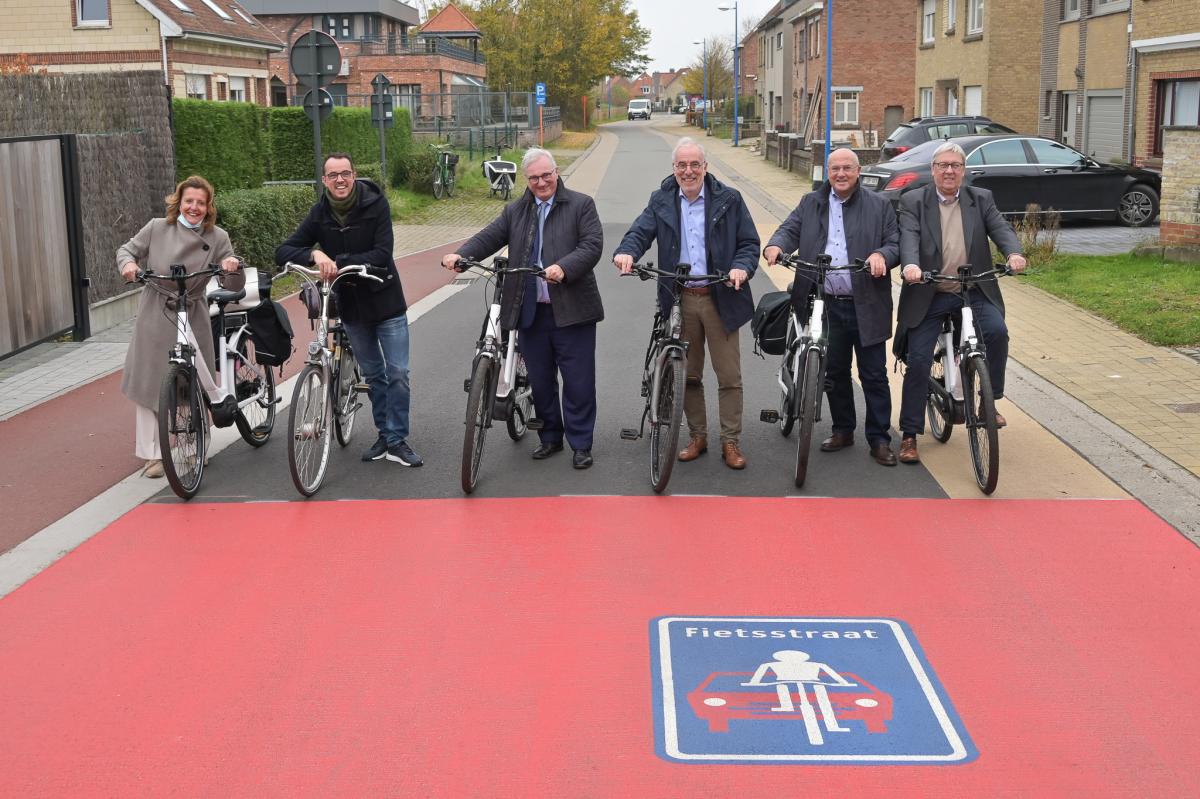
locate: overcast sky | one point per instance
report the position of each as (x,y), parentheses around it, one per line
(675,24)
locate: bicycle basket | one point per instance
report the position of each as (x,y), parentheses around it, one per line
(770,322)
(451,160)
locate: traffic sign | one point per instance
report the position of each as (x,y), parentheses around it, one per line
(381,110)
(310,104)
(540,93)
(315,59)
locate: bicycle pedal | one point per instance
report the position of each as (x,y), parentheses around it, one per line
(361,388)
(630,434)
(534,424)
(769,416)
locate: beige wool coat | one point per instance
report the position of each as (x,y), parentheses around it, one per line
(156,246)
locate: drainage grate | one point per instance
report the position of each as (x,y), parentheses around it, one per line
(462,281)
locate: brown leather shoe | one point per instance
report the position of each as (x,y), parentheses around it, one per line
(1000,420)
(732,456)
(908,450)
(883,455)
(837,441)
(695,448)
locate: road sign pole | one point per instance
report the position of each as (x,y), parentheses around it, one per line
(320,167)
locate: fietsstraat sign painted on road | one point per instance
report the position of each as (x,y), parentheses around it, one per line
(799,690)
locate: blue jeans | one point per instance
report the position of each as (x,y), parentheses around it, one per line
(382,352)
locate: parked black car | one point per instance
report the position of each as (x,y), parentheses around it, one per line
(1020,170)
(919,130)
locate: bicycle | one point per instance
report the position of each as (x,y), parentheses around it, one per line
(664,372)
(498,388)
(801,374)
(326,393)
(961,371)
(443,170)
(246,390)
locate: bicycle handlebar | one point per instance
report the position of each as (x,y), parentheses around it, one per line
(465,263)
(821,265)
(177,273)
(349,270)
(647,271)
(964,276)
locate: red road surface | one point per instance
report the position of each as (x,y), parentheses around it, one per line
(500,647)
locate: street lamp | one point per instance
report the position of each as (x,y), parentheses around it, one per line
(736,76)
(705,57)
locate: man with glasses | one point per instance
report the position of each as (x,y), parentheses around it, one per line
(701,222)
(558,230)
(352,224)
(942,227)
(844,222)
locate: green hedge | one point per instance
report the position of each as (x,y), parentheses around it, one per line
(221,141)
(258,220)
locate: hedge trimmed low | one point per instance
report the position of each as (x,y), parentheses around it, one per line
(258,220)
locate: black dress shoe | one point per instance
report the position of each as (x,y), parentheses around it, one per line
(883,455)
(837,441)
(582,459)
(545,450)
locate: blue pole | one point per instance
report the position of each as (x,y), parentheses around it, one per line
(828,77)
(705,85)
(736,76)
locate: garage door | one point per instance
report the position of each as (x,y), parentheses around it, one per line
(1103,131)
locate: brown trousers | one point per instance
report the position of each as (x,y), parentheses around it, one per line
(702,325)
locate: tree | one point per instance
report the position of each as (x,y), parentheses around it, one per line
(720,71)
(568,45)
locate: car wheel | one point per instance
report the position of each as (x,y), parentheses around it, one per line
(1138,206)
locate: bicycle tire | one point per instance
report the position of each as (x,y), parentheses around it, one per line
(182,429)
(809,405)
(939,406)
(479,414)
(437,182)
(981,423)
(664,430)
(255,420)
(506,192)
(449,181)
(309,421)
(787,399)
(522,405)
(346,406)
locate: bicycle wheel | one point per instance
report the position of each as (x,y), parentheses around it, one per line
(664,431)
(981,423)
(308,429)
(255,419)
(787,399)
(437,182)
(449,181)
(522,407)
(479,414)
(182,429)
(939,405)
(809,404)
(347,404)
(506,191)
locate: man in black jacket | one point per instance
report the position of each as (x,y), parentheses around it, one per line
(847,223)
(556,229)
(352,224)
(699,221)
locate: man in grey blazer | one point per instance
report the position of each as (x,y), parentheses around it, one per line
(942,227)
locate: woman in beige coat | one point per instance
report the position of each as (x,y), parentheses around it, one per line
(187,235)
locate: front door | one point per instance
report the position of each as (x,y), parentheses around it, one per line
(1067,114)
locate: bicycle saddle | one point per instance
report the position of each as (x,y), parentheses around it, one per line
(226,296)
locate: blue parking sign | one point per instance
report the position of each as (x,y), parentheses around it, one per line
(539,91)
(756,690)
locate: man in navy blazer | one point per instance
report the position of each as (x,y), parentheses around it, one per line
(942,227)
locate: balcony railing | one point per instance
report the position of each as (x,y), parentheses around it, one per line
(408,45)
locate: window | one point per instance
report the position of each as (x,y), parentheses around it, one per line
(408,95)
(1070,9)
(338,26)
(1179,104)
(951,15)
(1104,6)
(951,101)
(845,108)
(1006,151)
(645,90)
(182,6)
(974,16)
(91,12)
(242,14)
(928,8)
(196,86)
(237,89)
(926,103)
(779,41)
(949,130)
(220,12)
(973,100)
(814,39)
(1054,154)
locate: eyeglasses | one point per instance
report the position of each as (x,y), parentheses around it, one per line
(695,166)
(837,169)
(347,175)
(542,178)
(947,166)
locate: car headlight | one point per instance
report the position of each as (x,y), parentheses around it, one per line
(866,702)
(715,701)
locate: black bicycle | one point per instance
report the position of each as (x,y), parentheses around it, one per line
(960,386)
(664,372)
(801,373)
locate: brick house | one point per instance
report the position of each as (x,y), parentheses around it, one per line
(872,81)
(1166,74)
(748,80)
(642,87)
(206,49)
(773,65)
(425,64)
(976,58)
(673,88)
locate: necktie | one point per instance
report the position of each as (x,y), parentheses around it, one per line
(529,301)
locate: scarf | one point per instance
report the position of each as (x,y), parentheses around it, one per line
(341,208)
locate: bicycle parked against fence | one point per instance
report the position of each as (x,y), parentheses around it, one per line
(960,385)
(246,391)
(498,388)
(664,372)
(325,398)
(443,170)
(801,374)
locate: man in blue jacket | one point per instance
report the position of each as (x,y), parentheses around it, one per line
(847,222)
(698,220)
(352,223)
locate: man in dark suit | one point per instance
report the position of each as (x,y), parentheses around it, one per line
(700,221)
(556,229)
(846,223)
(942,227)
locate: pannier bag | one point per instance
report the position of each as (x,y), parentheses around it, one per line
(271,331)
(770,322)
(310,295)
